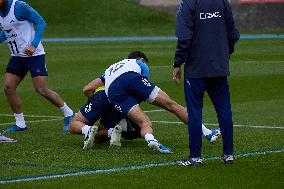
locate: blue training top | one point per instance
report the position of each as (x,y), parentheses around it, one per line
(23,11)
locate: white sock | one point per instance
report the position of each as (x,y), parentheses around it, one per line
(123,124)
(109,132)
(149,136)
(85,129)
(205,131)
(66,110)
(20,120)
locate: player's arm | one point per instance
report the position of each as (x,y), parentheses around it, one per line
(2,37)
(233,33)
(89,89)
(184,30)
(23,11)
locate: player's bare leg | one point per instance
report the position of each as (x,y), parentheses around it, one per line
(142,120)
(165,102)
(11,83)
(79,125)
(40,85)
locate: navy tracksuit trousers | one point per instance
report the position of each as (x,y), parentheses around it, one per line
(219,93)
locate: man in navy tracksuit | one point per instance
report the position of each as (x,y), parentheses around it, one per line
(206,35)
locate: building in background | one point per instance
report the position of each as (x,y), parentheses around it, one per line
(249,14)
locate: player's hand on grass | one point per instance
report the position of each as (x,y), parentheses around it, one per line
(177,74)
(30,50)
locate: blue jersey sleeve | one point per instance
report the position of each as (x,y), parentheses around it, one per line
(144,68)
(2,37)
(103,78)
(25,12)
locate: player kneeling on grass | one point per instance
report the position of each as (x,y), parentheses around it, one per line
(126,86)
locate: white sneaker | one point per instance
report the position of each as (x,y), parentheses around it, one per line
(116,136)
(90,138)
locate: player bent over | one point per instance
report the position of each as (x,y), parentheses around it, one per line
(127,85)
(112,124)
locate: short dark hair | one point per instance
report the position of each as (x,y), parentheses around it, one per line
(136,55)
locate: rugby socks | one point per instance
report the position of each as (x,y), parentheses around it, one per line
(109,132)
(20,120)
(150,137)
(85,129)
(206,131)
(66,110)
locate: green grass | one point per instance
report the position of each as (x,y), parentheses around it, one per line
(97,18)
(256,82)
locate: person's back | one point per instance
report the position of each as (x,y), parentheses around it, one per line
(120,68)
(209,23)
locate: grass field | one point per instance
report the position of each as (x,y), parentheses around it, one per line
(53,159)
(257,77)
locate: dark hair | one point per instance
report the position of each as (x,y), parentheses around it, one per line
(136,55)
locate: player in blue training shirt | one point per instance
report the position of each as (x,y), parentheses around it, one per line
(126,85)
(17,21)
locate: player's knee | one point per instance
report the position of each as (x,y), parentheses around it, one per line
(8,89)
(72,127)
(42,91)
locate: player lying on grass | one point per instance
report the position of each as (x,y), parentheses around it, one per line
(126,89)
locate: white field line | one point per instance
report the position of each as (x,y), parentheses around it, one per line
(124,168)
(151,111)
(213,124)
(43,116)
(35,121)
(148,111)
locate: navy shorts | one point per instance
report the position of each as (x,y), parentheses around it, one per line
(111,118)
(99,107)
(129,89)
(21,65)
(133,131)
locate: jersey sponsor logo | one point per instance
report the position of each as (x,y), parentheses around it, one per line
(204,16)
(11,36)
(188,83)
(88,108)
(146,82)
(7,31)
(118,108)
